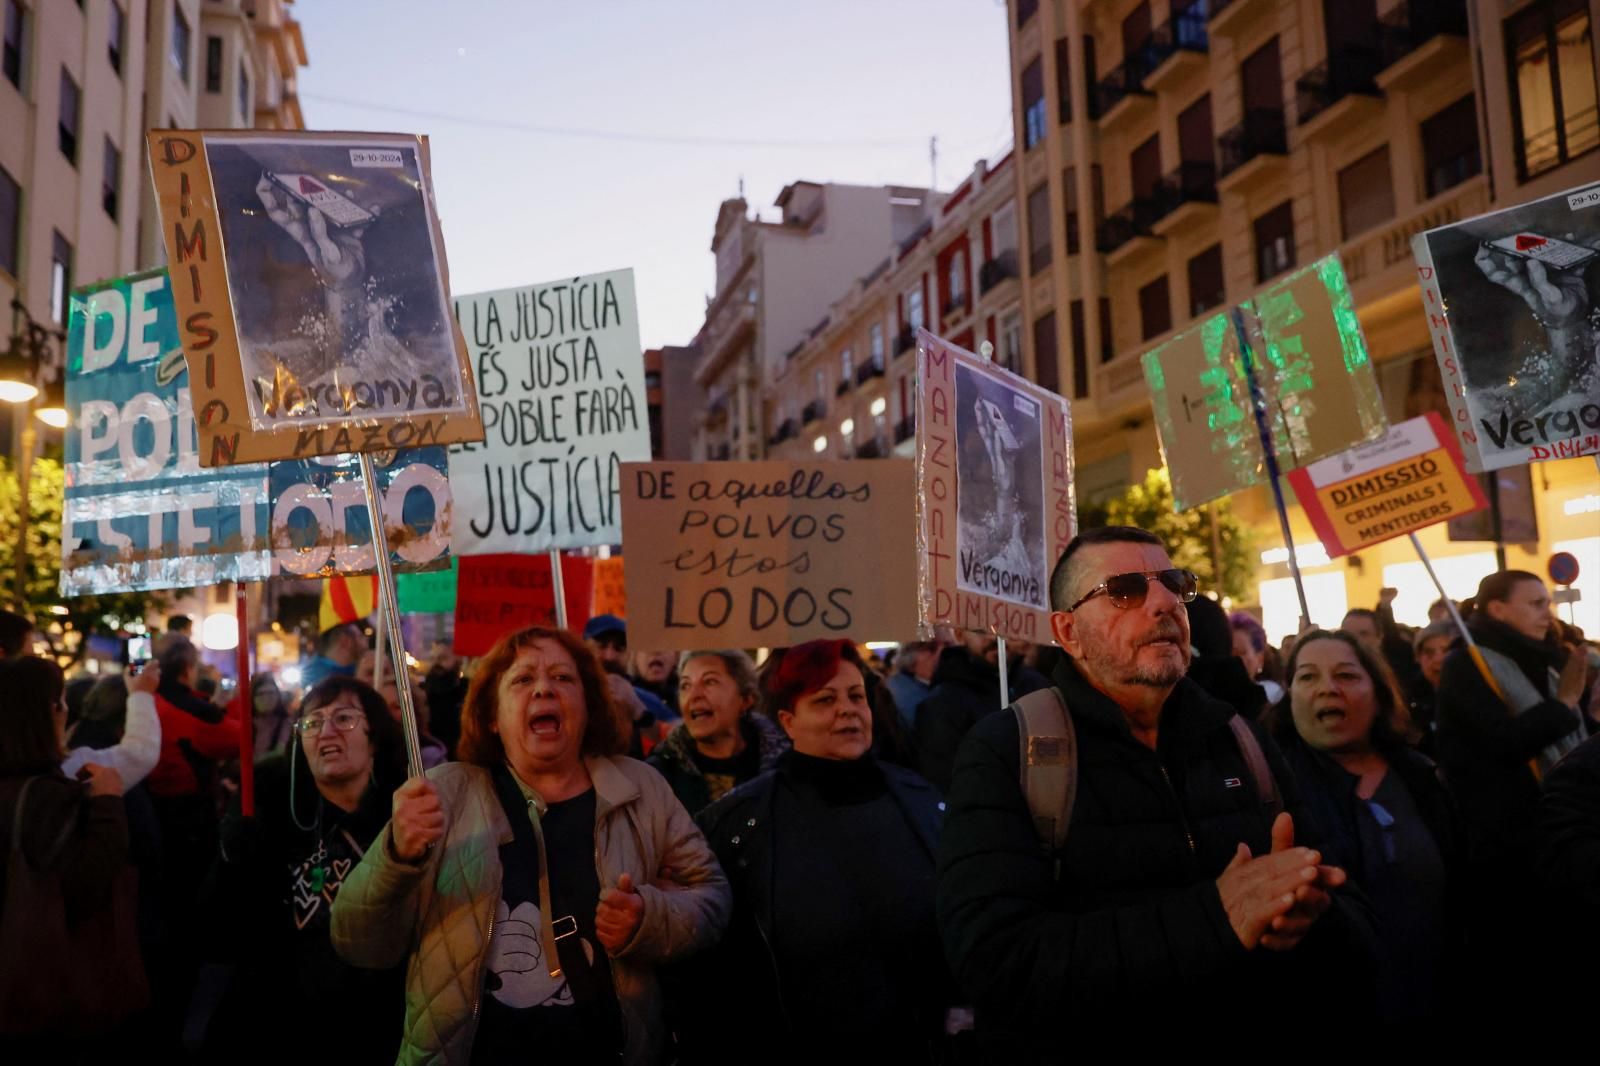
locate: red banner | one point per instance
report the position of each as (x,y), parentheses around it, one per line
(496,594)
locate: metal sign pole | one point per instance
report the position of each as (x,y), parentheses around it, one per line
(383,644)
(1258,404)
(247,710)
(1450,605)
(1005,680)
(389,602)
(558,587)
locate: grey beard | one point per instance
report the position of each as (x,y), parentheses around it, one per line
(1100,664)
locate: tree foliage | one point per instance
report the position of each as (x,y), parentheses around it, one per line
(1223,564)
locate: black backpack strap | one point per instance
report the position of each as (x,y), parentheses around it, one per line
(1047,748)
(1255,760)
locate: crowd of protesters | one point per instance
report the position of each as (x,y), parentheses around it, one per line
(619,855)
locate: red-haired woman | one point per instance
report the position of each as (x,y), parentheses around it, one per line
(833,953)
(538,883)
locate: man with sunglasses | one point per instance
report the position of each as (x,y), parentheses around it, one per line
(1182,894)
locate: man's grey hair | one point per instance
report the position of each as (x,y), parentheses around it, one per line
(1434,629)
(738,665)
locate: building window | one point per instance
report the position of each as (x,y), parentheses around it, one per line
(1080,353)
(1206,286)
(1039,228)
(1011,342)
(1274,232)
(111,179)
(1108,349)
(244,96)
(1450,146)
(182,43)
(914,312)
(60,276)
(875,341)
(1069,183)
(1366,193)
(16,36)
(1063,81)
(10,221)
(67,117)
(116,34)
(1047,369)
(1550,52)
(213,64)
(1155,308)
(847,365)
(1004,229)
(958,278)
(1033,106)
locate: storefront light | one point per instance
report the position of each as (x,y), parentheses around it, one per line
(1313,554)
(1582,505)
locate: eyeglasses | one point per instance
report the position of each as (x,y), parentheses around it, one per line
(1129,590)
(343,721)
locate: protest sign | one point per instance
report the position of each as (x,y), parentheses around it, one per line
(1312,369)
(768,554)
(995,501)
(140,513)
(561,389)
(1411,477)
(311,287)
(433,592)
(610,596)
(1514,327)
(496,594)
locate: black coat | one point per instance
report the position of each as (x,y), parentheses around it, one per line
(1569,861)
(1134,933)
(965,689)
(729,1002)
(1485,748)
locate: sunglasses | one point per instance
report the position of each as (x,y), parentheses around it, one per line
(1129,590)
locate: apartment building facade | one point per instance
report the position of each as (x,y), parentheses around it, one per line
(849,389)
(775,279)
(1173,157)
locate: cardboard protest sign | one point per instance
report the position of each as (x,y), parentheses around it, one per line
(768,554)
(561,380)
(1311,366)
(496,594)
(140,513)
(311,286)
(995,506)
(1512,311)
(1409,478)
(610,596)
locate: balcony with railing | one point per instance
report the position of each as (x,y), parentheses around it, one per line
(1122,90)
(1331,90)
(1418,41)
(905,341)
(1184,196)
(994,271)
(1178,45)
(814,411)
(788,429)
(905,429)
(1228,18)
(843,386)
(721,452)
(1129,230)
(868,370)
(1257,145)
(954,307)
(870,450)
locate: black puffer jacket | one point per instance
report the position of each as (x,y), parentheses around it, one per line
(673,759)
(965,689)
(1134,933)
(1569,863)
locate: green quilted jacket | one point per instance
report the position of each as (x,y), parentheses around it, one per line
(437,916)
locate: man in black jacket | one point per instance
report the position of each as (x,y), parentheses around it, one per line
(966,687)
(1180,901)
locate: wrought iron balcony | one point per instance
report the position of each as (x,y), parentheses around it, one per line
(843,386)
(721,452)
(1261,133)
(1134,220)
(1190,183)
(1352,70)
(788,429)
(996,270)
(870,450)
(867,371)
(1185,31)
(1410,25)
(956,305)
(1127,78)
(813,412)
(905,428)
(906,341)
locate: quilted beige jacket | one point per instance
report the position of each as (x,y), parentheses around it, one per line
(440,914)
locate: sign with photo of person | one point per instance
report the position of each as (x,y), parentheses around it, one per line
(311,287)
(995,505)
(1513,305)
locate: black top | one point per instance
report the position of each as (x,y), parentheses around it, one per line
(1405,879)
(965,690)
(523,1007)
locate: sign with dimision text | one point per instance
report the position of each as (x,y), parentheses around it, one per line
(560,378)
(1516,328)
(496,594)
(141,513)
(995,504)
(768,554)
(1312,370)
(310,281)
(1410,478)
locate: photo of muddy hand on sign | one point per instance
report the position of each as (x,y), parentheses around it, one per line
(1513,300)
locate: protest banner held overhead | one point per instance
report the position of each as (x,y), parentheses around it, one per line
(995,506)
(560,377)
(1411,477)
(610,595)
(1311,369)
(752,554)
(1516,329)
(140,512)
(496,594)
(311,289)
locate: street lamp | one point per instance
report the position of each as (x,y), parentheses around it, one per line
(21,368)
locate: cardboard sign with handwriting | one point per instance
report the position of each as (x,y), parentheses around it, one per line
(768,554)
(310,281)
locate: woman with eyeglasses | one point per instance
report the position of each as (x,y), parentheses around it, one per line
(534,888)
(319,808)
(1383,810)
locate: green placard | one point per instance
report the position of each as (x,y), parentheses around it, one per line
(429,593)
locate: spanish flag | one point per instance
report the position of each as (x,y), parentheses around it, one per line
(347,599)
